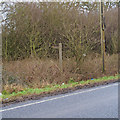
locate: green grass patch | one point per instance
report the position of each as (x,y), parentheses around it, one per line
(71,83)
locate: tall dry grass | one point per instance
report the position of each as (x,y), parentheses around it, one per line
(37,73)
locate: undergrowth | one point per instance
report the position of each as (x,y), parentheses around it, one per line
(34,75)
(53,87)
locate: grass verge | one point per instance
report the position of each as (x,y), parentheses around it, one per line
(6,98)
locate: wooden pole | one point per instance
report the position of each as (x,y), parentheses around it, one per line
(60,57)
(102,35)
(119,42)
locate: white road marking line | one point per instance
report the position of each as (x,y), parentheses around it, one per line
(57,98)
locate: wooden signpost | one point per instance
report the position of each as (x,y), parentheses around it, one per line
(60,55)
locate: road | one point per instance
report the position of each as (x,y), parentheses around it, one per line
(97,102)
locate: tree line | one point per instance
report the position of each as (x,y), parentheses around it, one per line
(31,29)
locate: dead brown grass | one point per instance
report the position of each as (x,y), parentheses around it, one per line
(37,73)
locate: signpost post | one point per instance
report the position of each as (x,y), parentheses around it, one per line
(60,55)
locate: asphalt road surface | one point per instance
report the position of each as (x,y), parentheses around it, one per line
(97,102)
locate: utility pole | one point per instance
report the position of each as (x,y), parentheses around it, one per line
(102,27)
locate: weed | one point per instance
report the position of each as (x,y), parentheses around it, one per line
(38,73)
(71,80)
(55,87)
